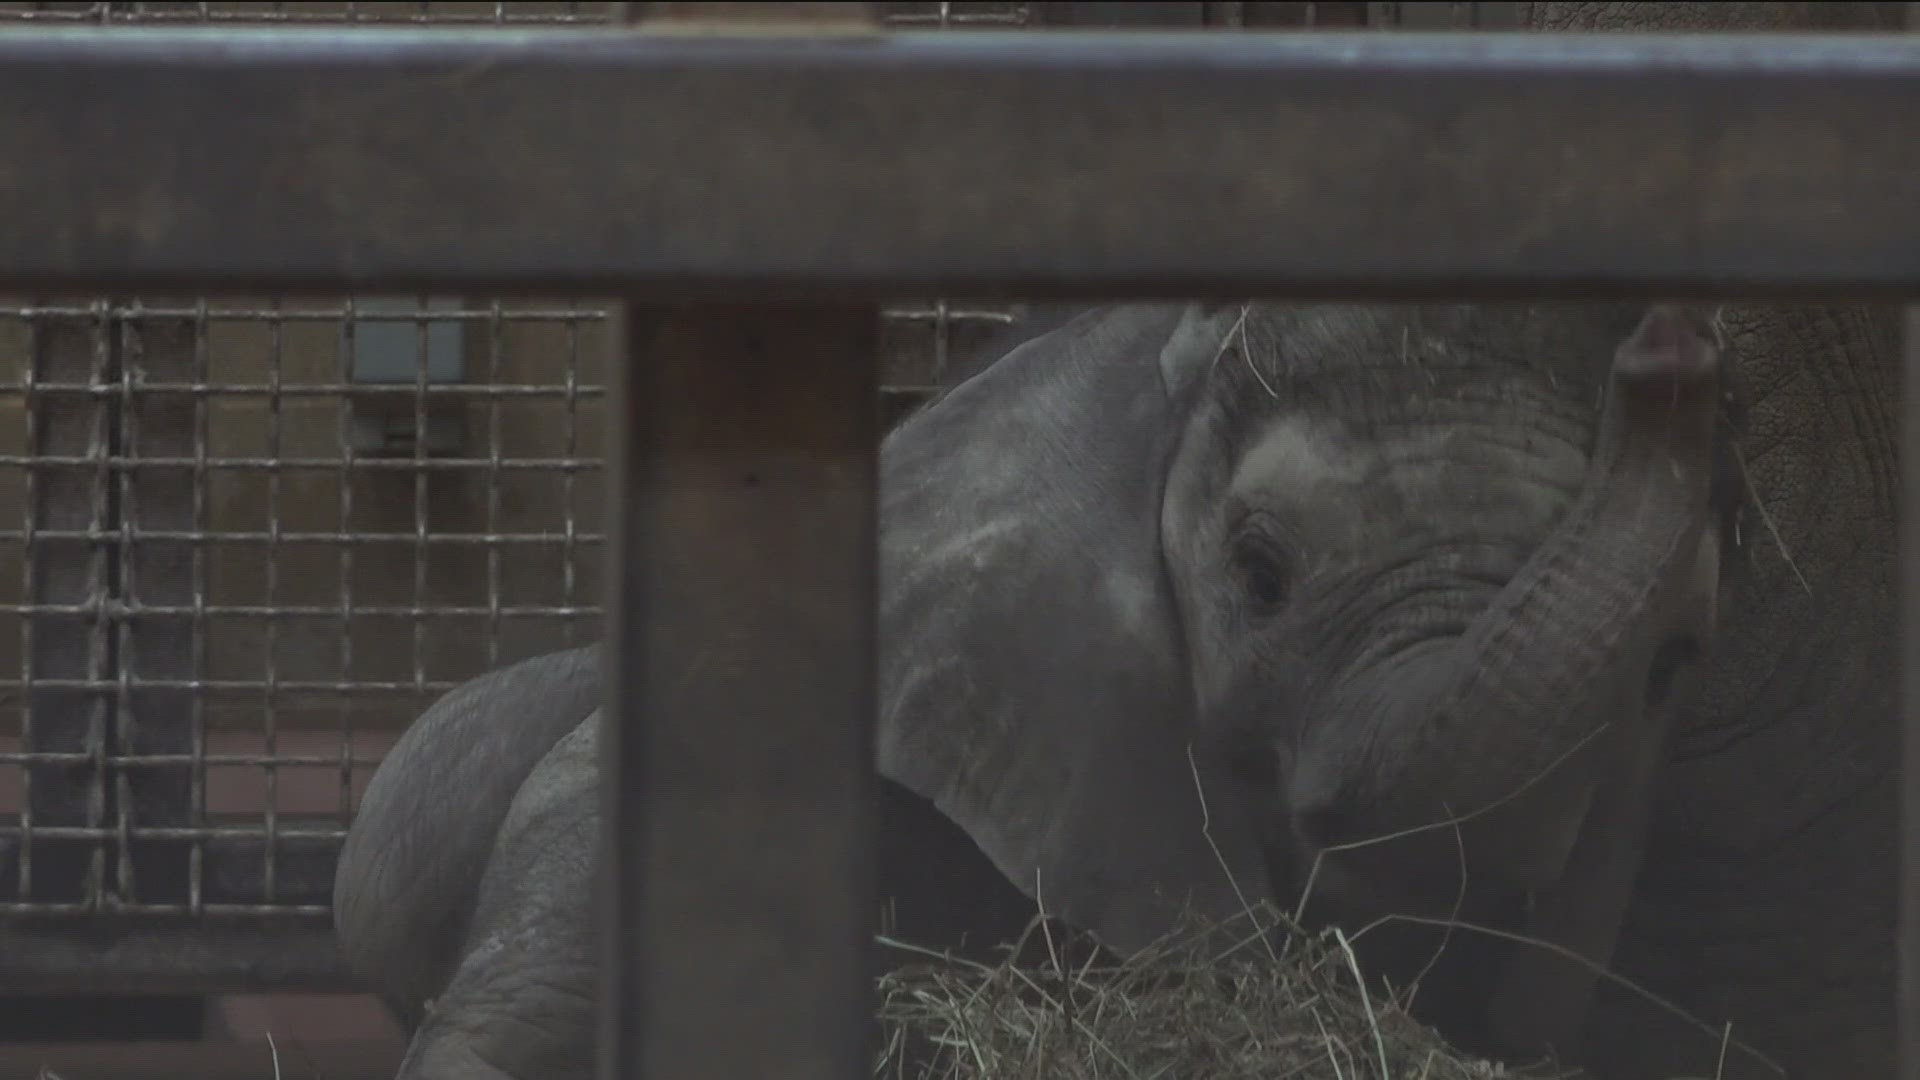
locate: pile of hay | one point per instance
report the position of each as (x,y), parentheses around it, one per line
(1207,1004)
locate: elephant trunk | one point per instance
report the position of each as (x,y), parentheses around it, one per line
(1539,683)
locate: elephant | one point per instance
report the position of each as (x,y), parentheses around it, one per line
(1189,607)
(1282,548)
(1346,524)
(478,832)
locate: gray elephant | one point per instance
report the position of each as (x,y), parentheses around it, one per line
(1763,913)
(461,894)
(1178,601)
(1312,577)
(1189,606)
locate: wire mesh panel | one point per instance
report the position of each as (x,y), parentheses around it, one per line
(245,541)
(242,546)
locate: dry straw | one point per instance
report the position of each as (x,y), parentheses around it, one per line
(1212,1003)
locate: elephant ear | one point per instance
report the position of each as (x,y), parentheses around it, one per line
(1034,683)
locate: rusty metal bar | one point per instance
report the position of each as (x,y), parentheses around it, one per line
(1907,997)
(741,756)
(198,960)
(1909,980)
(737,770)
(1335,164)
(1125,13)
(1909,992)
(233,878)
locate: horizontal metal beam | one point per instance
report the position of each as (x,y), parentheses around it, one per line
(1058,164)
(233,875)
(174,960)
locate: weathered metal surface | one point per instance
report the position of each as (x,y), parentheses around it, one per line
(262,874)
(740,766)
(1097,163)
(1909,994)
(1119,14)
(738,769)
(183,960)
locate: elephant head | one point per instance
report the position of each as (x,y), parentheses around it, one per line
(1191,606)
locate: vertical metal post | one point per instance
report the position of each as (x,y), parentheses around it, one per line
(1907,998)
(1909,991)
(738,762)
(738,767)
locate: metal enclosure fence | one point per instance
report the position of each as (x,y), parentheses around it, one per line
(111,391)
(244,541)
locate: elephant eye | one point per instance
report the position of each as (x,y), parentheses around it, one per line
(1262,572)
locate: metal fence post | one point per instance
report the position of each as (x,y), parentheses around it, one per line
(1909,990)
(738,765)
(1908,999)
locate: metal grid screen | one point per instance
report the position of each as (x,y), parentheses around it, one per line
(244,542)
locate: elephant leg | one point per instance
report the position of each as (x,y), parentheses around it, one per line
(514,1011)
(429,819)
(521,1004)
